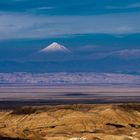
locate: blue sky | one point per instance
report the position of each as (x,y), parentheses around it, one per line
(91,28)
(57,18)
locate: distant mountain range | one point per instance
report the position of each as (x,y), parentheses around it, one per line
(66,78)
(58,58)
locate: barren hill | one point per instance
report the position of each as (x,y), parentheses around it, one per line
(72,122)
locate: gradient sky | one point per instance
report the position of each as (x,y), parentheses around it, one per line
(97,27)
(57,18)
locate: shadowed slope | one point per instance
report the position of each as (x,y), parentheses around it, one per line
(105,122)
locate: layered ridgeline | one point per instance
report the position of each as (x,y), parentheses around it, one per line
(72,122)
(58,58)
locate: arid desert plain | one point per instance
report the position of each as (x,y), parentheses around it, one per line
(69,113)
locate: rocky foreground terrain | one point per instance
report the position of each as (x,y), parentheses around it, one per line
(71,122)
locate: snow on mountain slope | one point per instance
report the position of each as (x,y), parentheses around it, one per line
(55,47)
(53,52)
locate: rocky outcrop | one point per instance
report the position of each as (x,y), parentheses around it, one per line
(72,122)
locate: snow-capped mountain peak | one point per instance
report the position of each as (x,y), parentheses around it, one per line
(55,47)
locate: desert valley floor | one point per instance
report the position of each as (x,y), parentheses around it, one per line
(69,113)
(70,94)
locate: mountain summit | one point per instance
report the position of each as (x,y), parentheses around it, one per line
(55,47)
(54,52)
